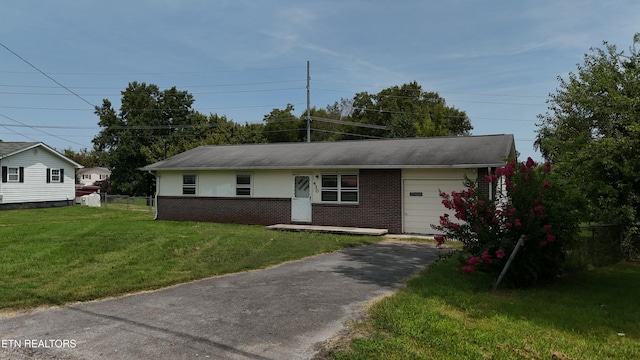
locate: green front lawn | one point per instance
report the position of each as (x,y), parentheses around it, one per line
(63,255)
(444,314)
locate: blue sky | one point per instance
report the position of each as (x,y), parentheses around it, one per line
(496,60)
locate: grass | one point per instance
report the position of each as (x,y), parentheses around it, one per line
(443,314)
(63,255)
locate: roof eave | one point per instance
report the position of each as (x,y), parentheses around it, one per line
(345,166)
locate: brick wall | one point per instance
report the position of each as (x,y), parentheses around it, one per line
(260,211)
(380,204)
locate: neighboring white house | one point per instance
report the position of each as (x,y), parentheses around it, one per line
(89,176)
(391,184)
(35,175)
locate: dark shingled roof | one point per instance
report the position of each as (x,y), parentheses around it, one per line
(433,152)
(7,148)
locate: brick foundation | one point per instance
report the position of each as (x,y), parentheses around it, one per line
(259,211)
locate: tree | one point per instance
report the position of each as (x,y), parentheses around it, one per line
(408,111)
(591,133)
(129,139)
(84,157)
(283,126)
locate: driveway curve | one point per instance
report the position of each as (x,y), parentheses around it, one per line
(282,312)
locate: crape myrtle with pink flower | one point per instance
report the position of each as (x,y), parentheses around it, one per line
(525,202)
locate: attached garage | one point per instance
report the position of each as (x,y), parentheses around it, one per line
(421,201)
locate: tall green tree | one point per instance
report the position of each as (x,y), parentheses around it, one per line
(591,132)
(281,125)
(129,138)
(408,111)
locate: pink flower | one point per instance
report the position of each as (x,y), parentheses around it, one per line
(547,184)
(486,258)
(439,239)
(472,260)
(500,254)
(508,225)
(547,227)
(547,167)
(468,269)
(551,238)
(530,163)
(523,168)
(517,223)
(487,178)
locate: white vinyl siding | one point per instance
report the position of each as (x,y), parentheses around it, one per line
(34,186)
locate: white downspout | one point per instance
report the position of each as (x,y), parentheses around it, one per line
(155,197)
(490,187)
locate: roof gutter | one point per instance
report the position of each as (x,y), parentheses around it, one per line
(308,167)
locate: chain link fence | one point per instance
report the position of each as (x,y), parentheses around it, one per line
(597,245)
(128,203)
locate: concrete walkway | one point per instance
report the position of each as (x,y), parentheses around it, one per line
(283,312)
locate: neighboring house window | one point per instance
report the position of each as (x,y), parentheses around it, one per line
(243,184)
(12,174)
(86,176)
(102,177)
(189,184)
(55,175)
(340,188)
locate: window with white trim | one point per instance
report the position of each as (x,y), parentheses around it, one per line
(55,175)
(86,176)
(13,174)
(189,183)
(243,184)
(339,188)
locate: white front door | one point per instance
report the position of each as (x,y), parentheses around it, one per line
(301,200)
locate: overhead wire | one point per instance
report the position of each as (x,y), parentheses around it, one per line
(42,131)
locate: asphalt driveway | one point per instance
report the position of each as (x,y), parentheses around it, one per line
(283,312)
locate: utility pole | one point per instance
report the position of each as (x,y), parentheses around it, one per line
(308,106)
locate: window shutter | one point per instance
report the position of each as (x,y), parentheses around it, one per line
(61,175)
(21,174)
(4,174)
(48,175)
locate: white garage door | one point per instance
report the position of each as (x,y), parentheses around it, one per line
(423,205)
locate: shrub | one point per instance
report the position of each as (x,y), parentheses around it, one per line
(526,203)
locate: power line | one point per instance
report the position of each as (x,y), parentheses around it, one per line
(42,131)
(160,73)
(50,78)
(177,86)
